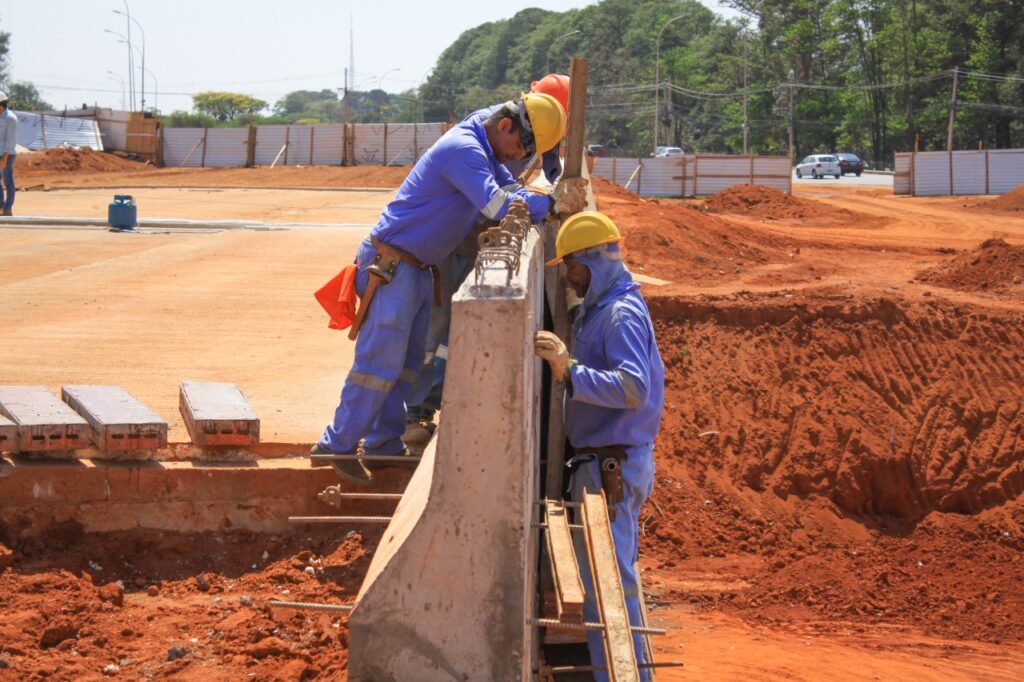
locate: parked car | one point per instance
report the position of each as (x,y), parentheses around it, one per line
(850,163)
(818,166)
(669,151)
(596,150)
(658,150)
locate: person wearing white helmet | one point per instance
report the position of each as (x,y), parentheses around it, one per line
(8,152)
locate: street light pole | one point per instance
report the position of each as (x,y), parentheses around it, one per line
(156,90)
(134,21)
(131,65)
(547,63)
(657,76)
(120,81)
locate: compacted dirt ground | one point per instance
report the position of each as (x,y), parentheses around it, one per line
(839,467)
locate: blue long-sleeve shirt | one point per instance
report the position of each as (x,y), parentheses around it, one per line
(457,179)
(551,163)
(8,132)
(615,390)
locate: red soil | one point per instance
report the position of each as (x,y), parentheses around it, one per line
(60,160)
(993,265)
(1011,201)
(842,460)
(191,607)
(764,202)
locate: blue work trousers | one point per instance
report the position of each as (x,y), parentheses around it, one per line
(425,396)
(389,354)
(637,485)
(7,201)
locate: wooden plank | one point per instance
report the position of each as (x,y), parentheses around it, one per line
(564,568)
(44,423)
(202,161)
(117,420)
(611,599)
(217,414)
(648,647)
(8,435)
(576,128)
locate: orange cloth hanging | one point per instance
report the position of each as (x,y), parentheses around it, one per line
(338,298)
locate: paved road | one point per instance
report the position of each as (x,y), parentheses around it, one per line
(868,179)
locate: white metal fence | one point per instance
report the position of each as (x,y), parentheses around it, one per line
(694,174)
(42,131)
(987,171)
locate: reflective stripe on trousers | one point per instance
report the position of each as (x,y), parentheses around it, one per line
(637,485)
(388,357)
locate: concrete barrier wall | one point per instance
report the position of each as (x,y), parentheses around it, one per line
(450,586)
(967,172)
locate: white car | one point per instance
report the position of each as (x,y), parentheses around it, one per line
(668,151)
(818,166)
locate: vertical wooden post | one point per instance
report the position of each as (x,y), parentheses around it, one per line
(250,150)
(986,173)
(613,171)
(287,139)
(202,162)
(682,175)
(344,145)
(415,142)
(42,128)
(311,129)
(751,169)
(639,175)
(577,122)
(385,155)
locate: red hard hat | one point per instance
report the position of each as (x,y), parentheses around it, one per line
(556,85)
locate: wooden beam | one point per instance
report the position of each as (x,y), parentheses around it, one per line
(611,599)
(576,129)
(564,568)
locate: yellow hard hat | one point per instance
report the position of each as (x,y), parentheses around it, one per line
(583,230)
(545,120)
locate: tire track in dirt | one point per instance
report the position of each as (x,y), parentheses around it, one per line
(885,407)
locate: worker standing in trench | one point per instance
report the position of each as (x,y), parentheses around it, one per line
(460,176)
(614,393)
(426,393)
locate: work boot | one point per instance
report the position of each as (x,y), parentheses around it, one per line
(350,470)
(413,460)
(8,211)
(418,432)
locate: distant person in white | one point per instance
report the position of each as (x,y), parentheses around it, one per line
(8,139)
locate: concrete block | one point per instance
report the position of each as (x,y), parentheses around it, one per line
(8,435)
(453,581)
(44,424)
(217,414)
(117,421)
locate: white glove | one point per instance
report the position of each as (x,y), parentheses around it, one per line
(548,346)
(570,195)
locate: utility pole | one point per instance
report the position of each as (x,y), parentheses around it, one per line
(792,150)
(952,110)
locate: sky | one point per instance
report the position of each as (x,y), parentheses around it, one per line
(256,47)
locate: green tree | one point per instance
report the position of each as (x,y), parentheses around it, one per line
(25,97)
(226,106)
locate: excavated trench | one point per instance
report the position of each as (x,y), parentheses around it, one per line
(884,406)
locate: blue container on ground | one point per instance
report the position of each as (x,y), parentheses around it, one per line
(122,214)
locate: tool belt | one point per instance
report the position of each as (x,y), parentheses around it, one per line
(610,459)
(382,271)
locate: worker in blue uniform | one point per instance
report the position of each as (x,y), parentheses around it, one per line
(459,177)
(614,380)
(427,392)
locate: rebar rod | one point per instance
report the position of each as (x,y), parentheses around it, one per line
(339,519)
(365,458)
(310,606)
(561,625)
(568,669)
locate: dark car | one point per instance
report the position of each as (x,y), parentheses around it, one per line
(850,163)
(596,150)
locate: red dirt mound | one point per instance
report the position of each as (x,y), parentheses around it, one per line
(842,459)
(157,604)
(672,241)
(1011,201)
(764,202)
(83,160)
(993,265)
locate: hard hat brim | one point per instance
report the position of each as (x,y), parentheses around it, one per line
(556,261)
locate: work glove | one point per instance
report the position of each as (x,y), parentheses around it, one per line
(570,196)
(548,346)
